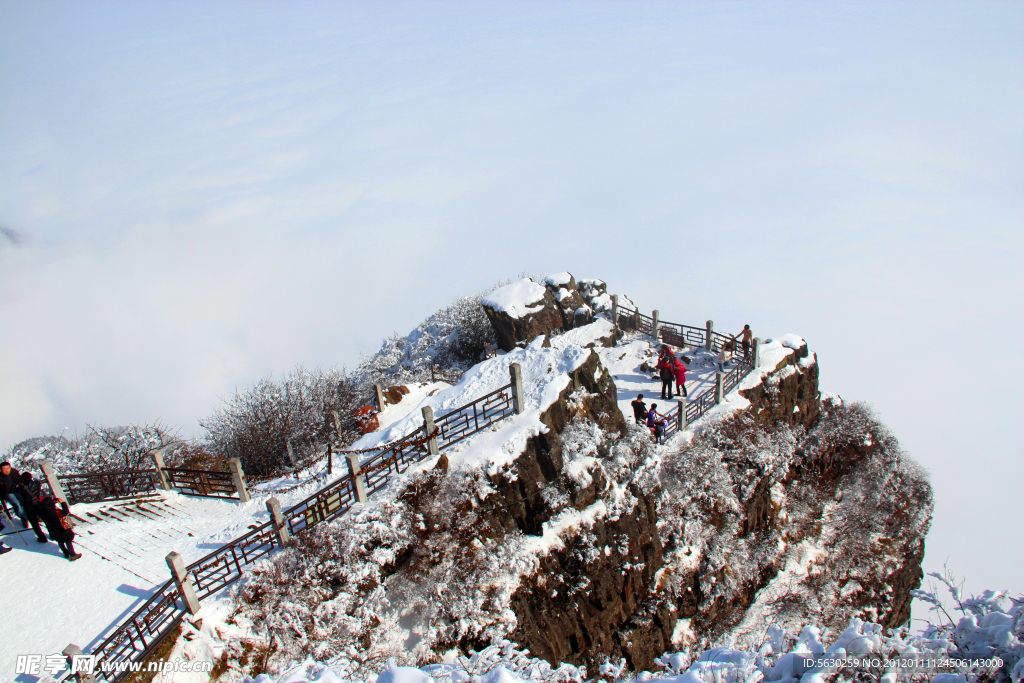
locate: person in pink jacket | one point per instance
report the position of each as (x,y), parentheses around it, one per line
(680,372)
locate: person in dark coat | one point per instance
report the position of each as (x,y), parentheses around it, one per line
(30,491)
(666,375)
(55,520)
(639,409)
(10,480)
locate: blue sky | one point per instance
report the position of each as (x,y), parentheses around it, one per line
(207,193)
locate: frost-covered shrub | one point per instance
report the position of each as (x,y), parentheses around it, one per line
(102,449)
(454,338)
(257,424)
(985,644)
(837,515)
(323,595)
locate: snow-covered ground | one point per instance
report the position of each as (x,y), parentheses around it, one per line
(124,549)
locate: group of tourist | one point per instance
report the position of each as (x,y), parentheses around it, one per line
(23,495)
(672,370)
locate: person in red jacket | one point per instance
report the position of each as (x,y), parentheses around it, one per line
(680,372)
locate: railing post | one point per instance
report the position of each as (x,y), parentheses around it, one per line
(719,385)
(74,654)
(183,581)
(516,371)
(330,457)
(615,311)
(158,465)
(277,521)
(238,476)
(755,353)
(428,427)
(357,477)
(380,398)
(709,329)
(654,325)
(681,417)
(51,479)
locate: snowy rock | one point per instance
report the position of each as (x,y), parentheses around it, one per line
(521,312)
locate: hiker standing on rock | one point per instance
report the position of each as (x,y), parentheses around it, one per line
(58,523)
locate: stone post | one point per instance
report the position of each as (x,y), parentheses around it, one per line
(51,479)
(428,426)
(277,521)
(654,325)
(72,652)
(681,416)
(719,385)
(709,329)
(380,398)
(755,353)
(615,311)
(357,478)
(238,477)
(158,465)
(183,581)
(516,371)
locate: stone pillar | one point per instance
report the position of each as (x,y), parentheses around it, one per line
(615,311)
(755,353)
(277,521)
(183,581)
(516,371)
(709,328)
(74,655)
(719,385)
(158,465)
(238,477)
(654,325)
(380,398)
(681,416)
(357,478)
(428,426)
(51,479)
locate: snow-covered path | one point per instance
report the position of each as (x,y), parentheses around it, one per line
(47,602)
(55,602)
(623,362)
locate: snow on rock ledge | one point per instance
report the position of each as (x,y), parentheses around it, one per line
(516,300)
(521,312)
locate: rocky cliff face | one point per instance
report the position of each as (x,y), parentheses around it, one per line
(792,512)
(594,545)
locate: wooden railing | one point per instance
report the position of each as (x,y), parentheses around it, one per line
(92,488)
(135,639)
(206,483)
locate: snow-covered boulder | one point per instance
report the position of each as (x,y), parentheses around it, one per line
(521,312)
